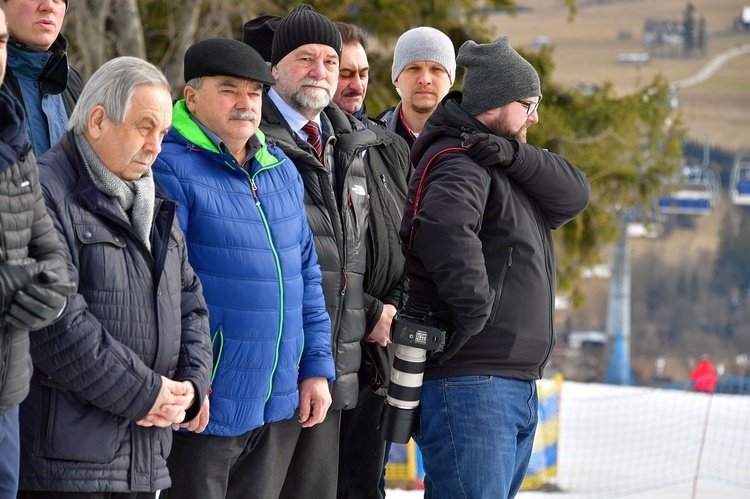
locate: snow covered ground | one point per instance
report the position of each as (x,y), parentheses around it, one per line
(645,443)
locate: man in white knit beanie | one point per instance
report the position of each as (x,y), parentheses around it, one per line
(424,69)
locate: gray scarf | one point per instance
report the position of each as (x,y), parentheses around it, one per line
(135,198)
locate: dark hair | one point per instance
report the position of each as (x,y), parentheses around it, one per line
(351,33)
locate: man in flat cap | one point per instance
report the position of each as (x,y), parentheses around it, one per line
(38,72)
(480,255)
(328,147)
(240,204)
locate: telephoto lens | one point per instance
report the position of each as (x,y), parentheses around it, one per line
(414,338)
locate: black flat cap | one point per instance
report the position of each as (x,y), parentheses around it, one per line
(226,57)
(258,33)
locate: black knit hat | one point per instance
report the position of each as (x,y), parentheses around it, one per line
(225,57)
(258,33)
(304,25)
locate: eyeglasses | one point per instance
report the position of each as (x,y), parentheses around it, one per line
(530,106)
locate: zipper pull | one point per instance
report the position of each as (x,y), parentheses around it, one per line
(346,282)
(254,188)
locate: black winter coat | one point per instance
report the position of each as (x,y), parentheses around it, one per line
(26,231)
(137,316)
(338,221)
(388,169)
(482,255)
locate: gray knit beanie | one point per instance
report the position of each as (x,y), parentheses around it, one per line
(303,25)
(424,44)
(496,75)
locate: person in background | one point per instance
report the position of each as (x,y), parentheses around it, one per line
(424,69)
(38,72)
(329,148)
(704,376)
(363,451)
(130,355)
(241,206)
(33,277)
(480,257)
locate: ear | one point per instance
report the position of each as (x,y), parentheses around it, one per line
(275,72)
(95,124)
(190,95)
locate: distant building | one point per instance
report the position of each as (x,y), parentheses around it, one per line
(669,38)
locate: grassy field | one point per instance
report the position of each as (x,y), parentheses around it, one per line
(586,51)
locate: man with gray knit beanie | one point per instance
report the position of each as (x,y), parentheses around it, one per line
(480,256)
(423,71)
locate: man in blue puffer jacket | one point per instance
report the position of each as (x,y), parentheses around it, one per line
(241,208)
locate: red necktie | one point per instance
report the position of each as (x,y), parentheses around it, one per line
(313,138)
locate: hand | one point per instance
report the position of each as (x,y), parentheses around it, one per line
(38,304)
(14,276)
(381,333)
(314,401)
(490,150)
(174,398)
(199,422)
(454,345)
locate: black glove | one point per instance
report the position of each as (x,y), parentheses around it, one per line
(39,303)
(15,275)
(490,150)
(454,345)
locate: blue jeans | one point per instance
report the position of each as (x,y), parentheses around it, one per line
(476,434)
(9,454)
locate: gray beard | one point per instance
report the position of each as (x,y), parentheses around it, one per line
(305,103)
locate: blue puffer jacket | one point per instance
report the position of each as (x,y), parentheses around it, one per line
(249,242)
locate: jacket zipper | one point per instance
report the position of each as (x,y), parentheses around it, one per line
(500,283)
(254,188)
(389,193)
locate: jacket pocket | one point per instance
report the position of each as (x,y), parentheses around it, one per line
(78,431)
(102,252)
(499,287)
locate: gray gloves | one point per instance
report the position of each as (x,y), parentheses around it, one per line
(491,150)
(42,297)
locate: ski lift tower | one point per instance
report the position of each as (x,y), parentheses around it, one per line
(618,311)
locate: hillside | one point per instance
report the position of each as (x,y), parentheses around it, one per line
(586,50)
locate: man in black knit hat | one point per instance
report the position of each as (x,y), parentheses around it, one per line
(328,148)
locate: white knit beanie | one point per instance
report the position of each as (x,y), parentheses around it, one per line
(424,44)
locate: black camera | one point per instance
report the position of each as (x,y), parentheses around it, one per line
(415,333)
